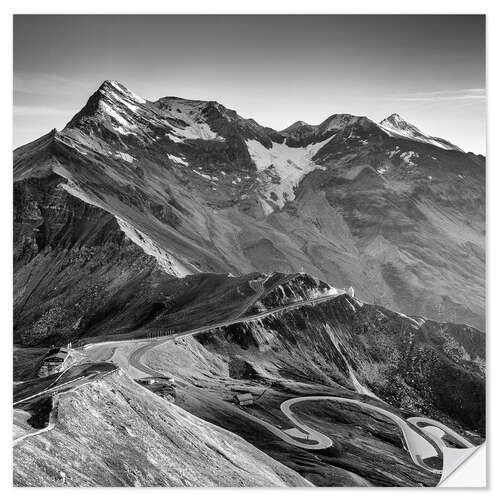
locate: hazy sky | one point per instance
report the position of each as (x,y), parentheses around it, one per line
(275,69)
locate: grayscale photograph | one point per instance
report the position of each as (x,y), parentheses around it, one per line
(248,250)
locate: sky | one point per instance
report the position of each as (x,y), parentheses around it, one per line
(275,69)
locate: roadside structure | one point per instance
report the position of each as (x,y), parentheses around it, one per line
(55,361)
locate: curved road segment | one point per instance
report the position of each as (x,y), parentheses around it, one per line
(418,446)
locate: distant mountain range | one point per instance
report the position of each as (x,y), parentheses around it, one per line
(395,213)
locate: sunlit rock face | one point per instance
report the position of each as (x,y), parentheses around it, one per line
(116,433)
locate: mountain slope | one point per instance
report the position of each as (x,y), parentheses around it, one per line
(394,125)
(112,432)
(201,189)
(341,347)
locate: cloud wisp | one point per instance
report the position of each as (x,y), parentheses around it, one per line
(41,111)
(478,94)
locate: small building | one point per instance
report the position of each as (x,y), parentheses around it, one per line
(244,399)
(156,380)
(54,359)
(54,362)
(164,387)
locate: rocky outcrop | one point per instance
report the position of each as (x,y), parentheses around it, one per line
(113,432)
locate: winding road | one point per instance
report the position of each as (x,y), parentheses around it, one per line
(235,318)
(56,392)
(418,447)
(444,428)
(419,443)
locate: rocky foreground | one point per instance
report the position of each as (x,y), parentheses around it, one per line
(114,433)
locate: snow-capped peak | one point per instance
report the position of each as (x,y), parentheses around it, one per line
(398,123)
(112,86)
(396,126)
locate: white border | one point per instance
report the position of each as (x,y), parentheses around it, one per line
(253,7)
(257,7)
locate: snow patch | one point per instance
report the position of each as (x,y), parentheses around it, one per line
(266,207)
(408,156)
(178,159)
(124,127)
(205,176)
(189,113)
(132,107)
(115,115)
(125,156)
(173,138)
(288,164)
(194,131)
(403,130)
(414,322)
(394,152)
(127,92)
(316,293)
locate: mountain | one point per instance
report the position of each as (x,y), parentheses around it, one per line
(396,126)
(201,189)
(175,242)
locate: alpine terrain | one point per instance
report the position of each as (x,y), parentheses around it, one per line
(200,300)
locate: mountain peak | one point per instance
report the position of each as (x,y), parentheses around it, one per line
(396,126)
(112,105)
(397,122)
(395,117)
(339,121)
(111,87)
(296,125)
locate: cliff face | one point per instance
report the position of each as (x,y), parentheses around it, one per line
(112,432)
(74,268)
